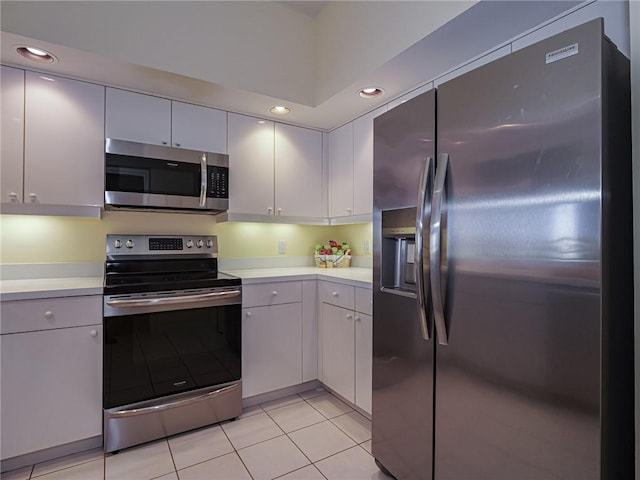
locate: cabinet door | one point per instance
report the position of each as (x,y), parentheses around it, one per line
(250,142)
(198,128)
(309,330)
(338,353)
(341,171)
(12,134)
(138,118)
(51,388)
(298,171)
(364,360)
(64,141)
(363,162)
(271,348)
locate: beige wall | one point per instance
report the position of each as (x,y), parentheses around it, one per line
(44,239)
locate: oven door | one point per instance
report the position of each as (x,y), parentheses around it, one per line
(165,343)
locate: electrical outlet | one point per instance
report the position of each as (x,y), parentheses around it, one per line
(367,246)
(282,246)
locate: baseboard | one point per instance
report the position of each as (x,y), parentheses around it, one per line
(351,404)
(50,453)
(276,394)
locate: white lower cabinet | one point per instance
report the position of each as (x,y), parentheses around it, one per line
(345,341)
(363,360)
(50,377)
(271,337)
(271,348)
(338,353)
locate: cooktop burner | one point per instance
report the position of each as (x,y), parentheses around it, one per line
(149,263)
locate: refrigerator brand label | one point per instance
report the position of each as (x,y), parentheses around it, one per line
(562,53)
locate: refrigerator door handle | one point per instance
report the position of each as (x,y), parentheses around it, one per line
(421,270)
(435,250)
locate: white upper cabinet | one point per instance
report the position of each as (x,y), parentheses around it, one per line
(251,143)
(198,128)
(351,167)
(138,118)
(12,134)
(341,171)
(275,169)
(146,119)
(63,141)
(298,171)
(363,162)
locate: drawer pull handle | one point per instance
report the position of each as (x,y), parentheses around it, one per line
(94,333)
(248,314)
(274,293)
(349,316)
(357,319)
(335,294)
(48,314)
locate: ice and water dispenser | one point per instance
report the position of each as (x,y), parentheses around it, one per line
(398,251)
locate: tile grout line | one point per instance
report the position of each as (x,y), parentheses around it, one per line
(356,443)
(291,439)
(235,450)
(173,460)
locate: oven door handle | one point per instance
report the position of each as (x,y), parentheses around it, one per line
(166,406)
(146,302)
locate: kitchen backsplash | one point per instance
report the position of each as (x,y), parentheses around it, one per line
(43,239)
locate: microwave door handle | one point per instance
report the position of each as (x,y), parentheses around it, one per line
(203,180)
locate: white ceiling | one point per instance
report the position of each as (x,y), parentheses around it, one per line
(246,56)
(309,8)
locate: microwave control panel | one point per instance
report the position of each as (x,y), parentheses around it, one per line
(218,186)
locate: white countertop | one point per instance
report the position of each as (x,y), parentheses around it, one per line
(28,289)
(32,288)
(27,281)
(359,277)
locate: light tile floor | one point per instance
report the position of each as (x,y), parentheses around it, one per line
(309,436)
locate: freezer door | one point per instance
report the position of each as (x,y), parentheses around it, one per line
(402,404)
(518,378)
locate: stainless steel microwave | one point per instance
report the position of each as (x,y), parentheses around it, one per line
(154,177)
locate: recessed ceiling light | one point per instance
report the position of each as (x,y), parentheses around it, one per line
(35,54)
(279,110)
(370,92)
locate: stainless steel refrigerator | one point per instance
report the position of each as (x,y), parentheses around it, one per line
(503,307)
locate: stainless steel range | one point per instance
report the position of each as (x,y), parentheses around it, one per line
(172,333)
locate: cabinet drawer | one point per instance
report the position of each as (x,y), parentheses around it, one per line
(264,294)
(49,313)
(337,294)
(364,301)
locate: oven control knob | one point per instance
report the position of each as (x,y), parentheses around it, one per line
(129,243)
(117,244)
(209,243)
(189,243)
(199,244)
